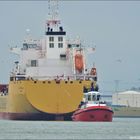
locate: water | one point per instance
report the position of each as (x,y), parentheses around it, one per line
(120,128)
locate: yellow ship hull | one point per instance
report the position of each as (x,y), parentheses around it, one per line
(43,100)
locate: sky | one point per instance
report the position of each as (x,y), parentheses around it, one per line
(114,26)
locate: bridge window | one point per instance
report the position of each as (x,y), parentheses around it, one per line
(51,45)
(34,63)
(69,45)
(60,39)
(25,46)
(60,45)
(51,39)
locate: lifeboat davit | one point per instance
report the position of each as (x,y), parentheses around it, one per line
(79,62)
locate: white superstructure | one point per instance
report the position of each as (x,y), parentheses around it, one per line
(53,56)
(50,56)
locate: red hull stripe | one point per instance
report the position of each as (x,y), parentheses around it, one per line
(88,110)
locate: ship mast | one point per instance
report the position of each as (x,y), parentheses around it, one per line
(53,15)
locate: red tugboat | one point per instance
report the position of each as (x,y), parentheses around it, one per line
(92,109)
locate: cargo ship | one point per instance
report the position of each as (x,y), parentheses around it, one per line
(93,109)
(47,81)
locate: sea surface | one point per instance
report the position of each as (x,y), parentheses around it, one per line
(120,128)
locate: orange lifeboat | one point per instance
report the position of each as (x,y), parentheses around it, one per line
(79,62)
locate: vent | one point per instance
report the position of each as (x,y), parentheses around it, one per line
(63,56)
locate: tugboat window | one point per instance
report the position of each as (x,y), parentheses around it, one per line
(93,98)
(98,97)
(89,97)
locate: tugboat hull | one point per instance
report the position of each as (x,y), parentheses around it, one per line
(93,113)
